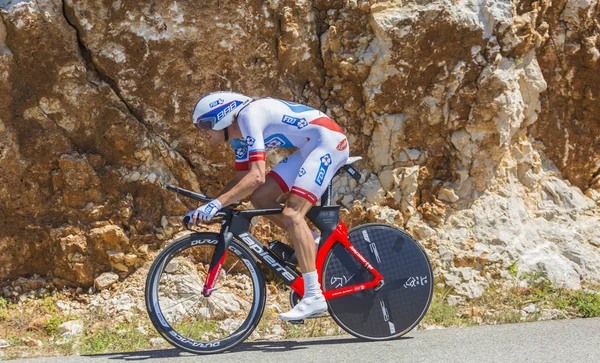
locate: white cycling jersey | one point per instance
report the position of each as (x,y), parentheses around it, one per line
(272,123)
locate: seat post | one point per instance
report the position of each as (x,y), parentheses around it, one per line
(326,197)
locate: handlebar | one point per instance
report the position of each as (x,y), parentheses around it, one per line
(189,194)
(197,196)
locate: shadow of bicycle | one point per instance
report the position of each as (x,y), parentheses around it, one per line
(259,346)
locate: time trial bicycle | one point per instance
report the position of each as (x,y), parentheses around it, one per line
(205,292)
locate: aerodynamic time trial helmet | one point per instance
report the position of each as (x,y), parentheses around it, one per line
(218,109)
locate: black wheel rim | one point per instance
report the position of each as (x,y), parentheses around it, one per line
(199,343)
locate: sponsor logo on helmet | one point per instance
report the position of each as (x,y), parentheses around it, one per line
(294,121)
(342,145)
(302,172)
(226,110)
(250,140)
(325,162)
(220,101)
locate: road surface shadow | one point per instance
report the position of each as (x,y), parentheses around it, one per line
(261,346)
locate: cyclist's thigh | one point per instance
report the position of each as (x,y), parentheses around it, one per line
(285,172)
(319,167)
(267,194)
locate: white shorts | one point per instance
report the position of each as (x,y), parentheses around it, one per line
(308,171)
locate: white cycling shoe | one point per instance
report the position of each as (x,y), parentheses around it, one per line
(307,307)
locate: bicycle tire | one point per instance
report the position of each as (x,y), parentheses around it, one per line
(398,306)
(164,282)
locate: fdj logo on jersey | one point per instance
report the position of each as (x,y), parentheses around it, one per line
(325,162)
(294,121)
(250,140)
(302,172)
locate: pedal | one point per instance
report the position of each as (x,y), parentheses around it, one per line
(296,322)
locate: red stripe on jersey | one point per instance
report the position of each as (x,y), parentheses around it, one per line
(279,180)
(241,165)
(304,194)
(257,156)
(327,123)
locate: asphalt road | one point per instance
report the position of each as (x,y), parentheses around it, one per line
(551,341)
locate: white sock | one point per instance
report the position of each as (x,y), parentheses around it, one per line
(311,284)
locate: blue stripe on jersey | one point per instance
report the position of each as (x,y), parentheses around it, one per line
(298,108)
(278,141)
(256,150)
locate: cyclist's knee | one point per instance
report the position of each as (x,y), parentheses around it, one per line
(295,210)
(291,217)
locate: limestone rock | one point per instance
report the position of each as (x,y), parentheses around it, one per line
(70,328)
(477,122)
(31,342)
(106,280)
(447,195)
(109,237)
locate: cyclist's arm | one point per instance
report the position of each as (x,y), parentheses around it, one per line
(238,176)
(249,182)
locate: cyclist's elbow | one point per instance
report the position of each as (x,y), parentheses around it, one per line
(258,179)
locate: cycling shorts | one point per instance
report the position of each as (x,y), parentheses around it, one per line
(308,171)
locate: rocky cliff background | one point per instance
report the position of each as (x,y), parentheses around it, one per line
(478,122)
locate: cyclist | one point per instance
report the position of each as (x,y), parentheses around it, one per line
(251,126)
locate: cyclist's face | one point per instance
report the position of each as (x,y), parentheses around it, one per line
(213,136)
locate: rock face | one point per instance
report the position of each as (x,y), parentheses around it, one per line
(477,121)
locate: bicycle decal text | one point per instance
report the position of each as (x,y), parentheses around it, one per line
(193,342)
(416,281)
(338,282)
(372,245)
(265,255)
(386,317)
(204,241)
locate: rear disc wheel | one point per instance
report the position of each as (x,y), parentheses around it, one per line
(400,304)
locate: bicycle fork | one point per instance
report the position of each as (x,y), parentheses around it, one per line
(218,258)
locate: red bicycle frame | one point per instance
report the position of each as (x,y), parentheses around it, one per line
(323,217)
(340,234)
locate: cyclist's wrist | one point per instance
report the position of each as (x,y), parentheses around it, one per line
(217,203)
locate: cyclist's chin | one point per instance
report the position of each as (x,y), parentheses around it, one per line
(215,141)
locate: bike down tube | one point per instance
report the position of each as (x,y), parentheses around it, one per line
(340,234)
(218,258)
